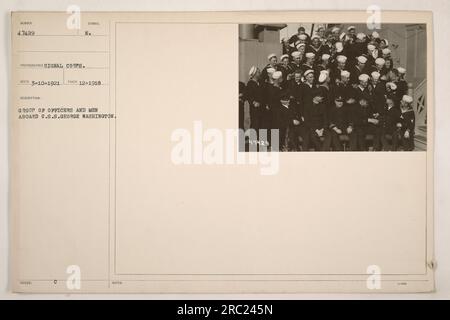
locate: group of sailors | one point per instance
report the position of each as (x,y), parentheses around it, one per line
(332,91)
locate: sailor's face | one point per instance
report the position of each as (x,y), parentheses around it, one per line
(273,60)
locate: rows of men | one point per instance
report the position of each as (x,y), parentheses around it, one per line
(329,90)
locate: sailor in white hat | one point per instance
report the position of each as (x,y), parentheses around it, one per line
(254,97)
(316,45)
(363,87)
(308,76)
(386,53)
(338,68)
(401,70)
(323,77)
(372,53)
(276,76)
(344,88)
(310,55)
(324,62)
(370,47)
(339,47)
(345,74)
(391,87)
(341,59)
(325,57)
(351,32)
(359,68)
(272,58)
(402,85)
(284,57)
(380,62)
(310,59)
(378,93)
(407,99)
(363,78)
(360,37)
(362,60)
(335,32)
(285,68)
(253,71)
(296,62)
(379,66)
(270,72)
(344,78)
(303,38)
(271,65)
(301,47)
(375,75)
(408,123)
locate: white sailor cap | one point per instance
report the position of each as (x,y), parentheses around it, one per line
(380,61)
(401,70)
(361,36)
(323,76)
(308,72)
(345,73)
(363,77)
(325,56)
(370,47)
(341,59)
(362,59)
(339,46)
(300,45)
(252,71)
(407,99)
(335,29)
(386,51)
(284,56)
(375,75)
(351,28)
(295,54)
(277,75)
(270,56)
(375,35)
(310,55)
(391,85)
(270,70)
(315,37)
(302,37)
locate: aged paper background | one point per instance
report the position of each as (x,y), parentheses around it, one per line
(104,195)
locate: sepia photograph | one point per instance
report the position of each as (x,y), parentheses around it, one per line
(332,87)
